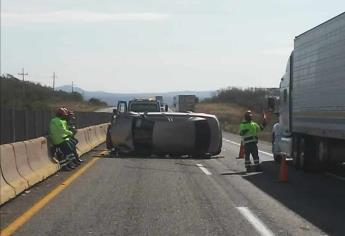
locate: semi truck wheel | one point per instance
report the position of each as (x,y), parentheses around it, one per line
(308,156)
(302,154)
(296,152)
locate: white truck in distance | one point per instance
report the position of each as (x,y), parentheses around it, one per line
(312,98)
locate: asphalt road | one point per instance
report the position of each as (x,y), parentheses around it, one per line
(162,196)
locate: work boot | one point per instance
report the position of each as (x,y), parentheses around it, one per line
(78,160)
(71,165)
(66,168)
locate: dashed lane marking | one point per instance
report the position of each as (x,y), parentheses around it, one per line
(255,221)
(21,220)
(238,144)
(289,159)
(206,171)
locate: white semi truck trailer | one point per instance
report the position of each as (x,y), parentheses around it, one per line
(312,97)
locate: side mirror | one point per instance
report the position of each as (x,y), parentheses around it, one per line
(114,111)
(166,107)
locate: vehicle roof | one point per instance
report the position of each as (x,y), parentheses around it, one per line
(320,25)
(143,100)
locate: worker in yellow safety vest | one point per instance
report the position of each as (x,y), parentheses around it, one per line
(60,135)
(249,131)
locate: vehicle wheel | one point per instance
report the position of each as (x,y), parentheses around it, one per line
(296,152)
(302,154)
(108,142)
(321,159)
(308,160)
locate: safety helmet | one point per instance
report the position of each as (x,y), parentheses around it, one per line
(61,112)
(248,115)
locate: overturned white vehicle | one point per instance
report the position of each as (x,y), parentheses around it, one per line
(165,133)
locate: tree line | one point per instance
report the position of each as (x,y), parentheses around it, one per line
(16,93)
(252,98)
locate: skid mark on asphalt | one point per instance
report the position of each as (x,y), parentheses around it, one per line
(255,221)
(206,171)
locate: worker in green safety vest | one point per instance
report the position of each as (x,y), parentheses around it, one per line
(60,136)
(249,131)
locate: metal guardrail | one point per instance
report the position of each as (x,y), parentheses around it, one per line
(20,124)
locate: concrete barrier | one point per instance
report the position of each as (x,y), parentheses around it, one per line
(36,160)
(89,137)
(100,138)
(6,191)
(83,145)
(95,139)
(23,165)
(9,169)
(46,157)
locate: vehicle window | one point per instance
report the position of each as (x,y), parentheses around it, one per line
(144,107)
(122,108)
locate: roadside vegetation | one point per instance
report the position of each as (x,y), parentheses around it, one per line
(230,104)
(18,94)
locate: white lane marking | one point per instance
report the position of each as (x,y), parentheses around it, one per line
(267,153)
(335,176)
(255,221)
(227,140)
(204,169)
(238,144)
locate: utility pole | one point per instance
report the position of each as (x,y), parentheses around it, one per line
(23,74)
(54,77)
(72,87)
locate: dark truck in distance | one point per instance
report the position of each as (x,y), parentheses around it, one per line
(185,103)
(143,105)
(312,98)
(163,133)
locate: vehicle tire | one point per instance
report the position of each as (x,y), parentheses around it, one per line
(296,152)
(108,142)
(307,158)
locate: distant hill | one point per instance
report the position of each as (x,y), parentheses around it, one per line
(16,93)
(112,98)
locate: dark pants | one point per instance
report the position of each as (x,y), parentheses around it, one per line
(68,153)
(72,142)
(251,149)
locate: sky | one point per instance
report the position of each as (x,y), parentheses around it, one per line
(155,45)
